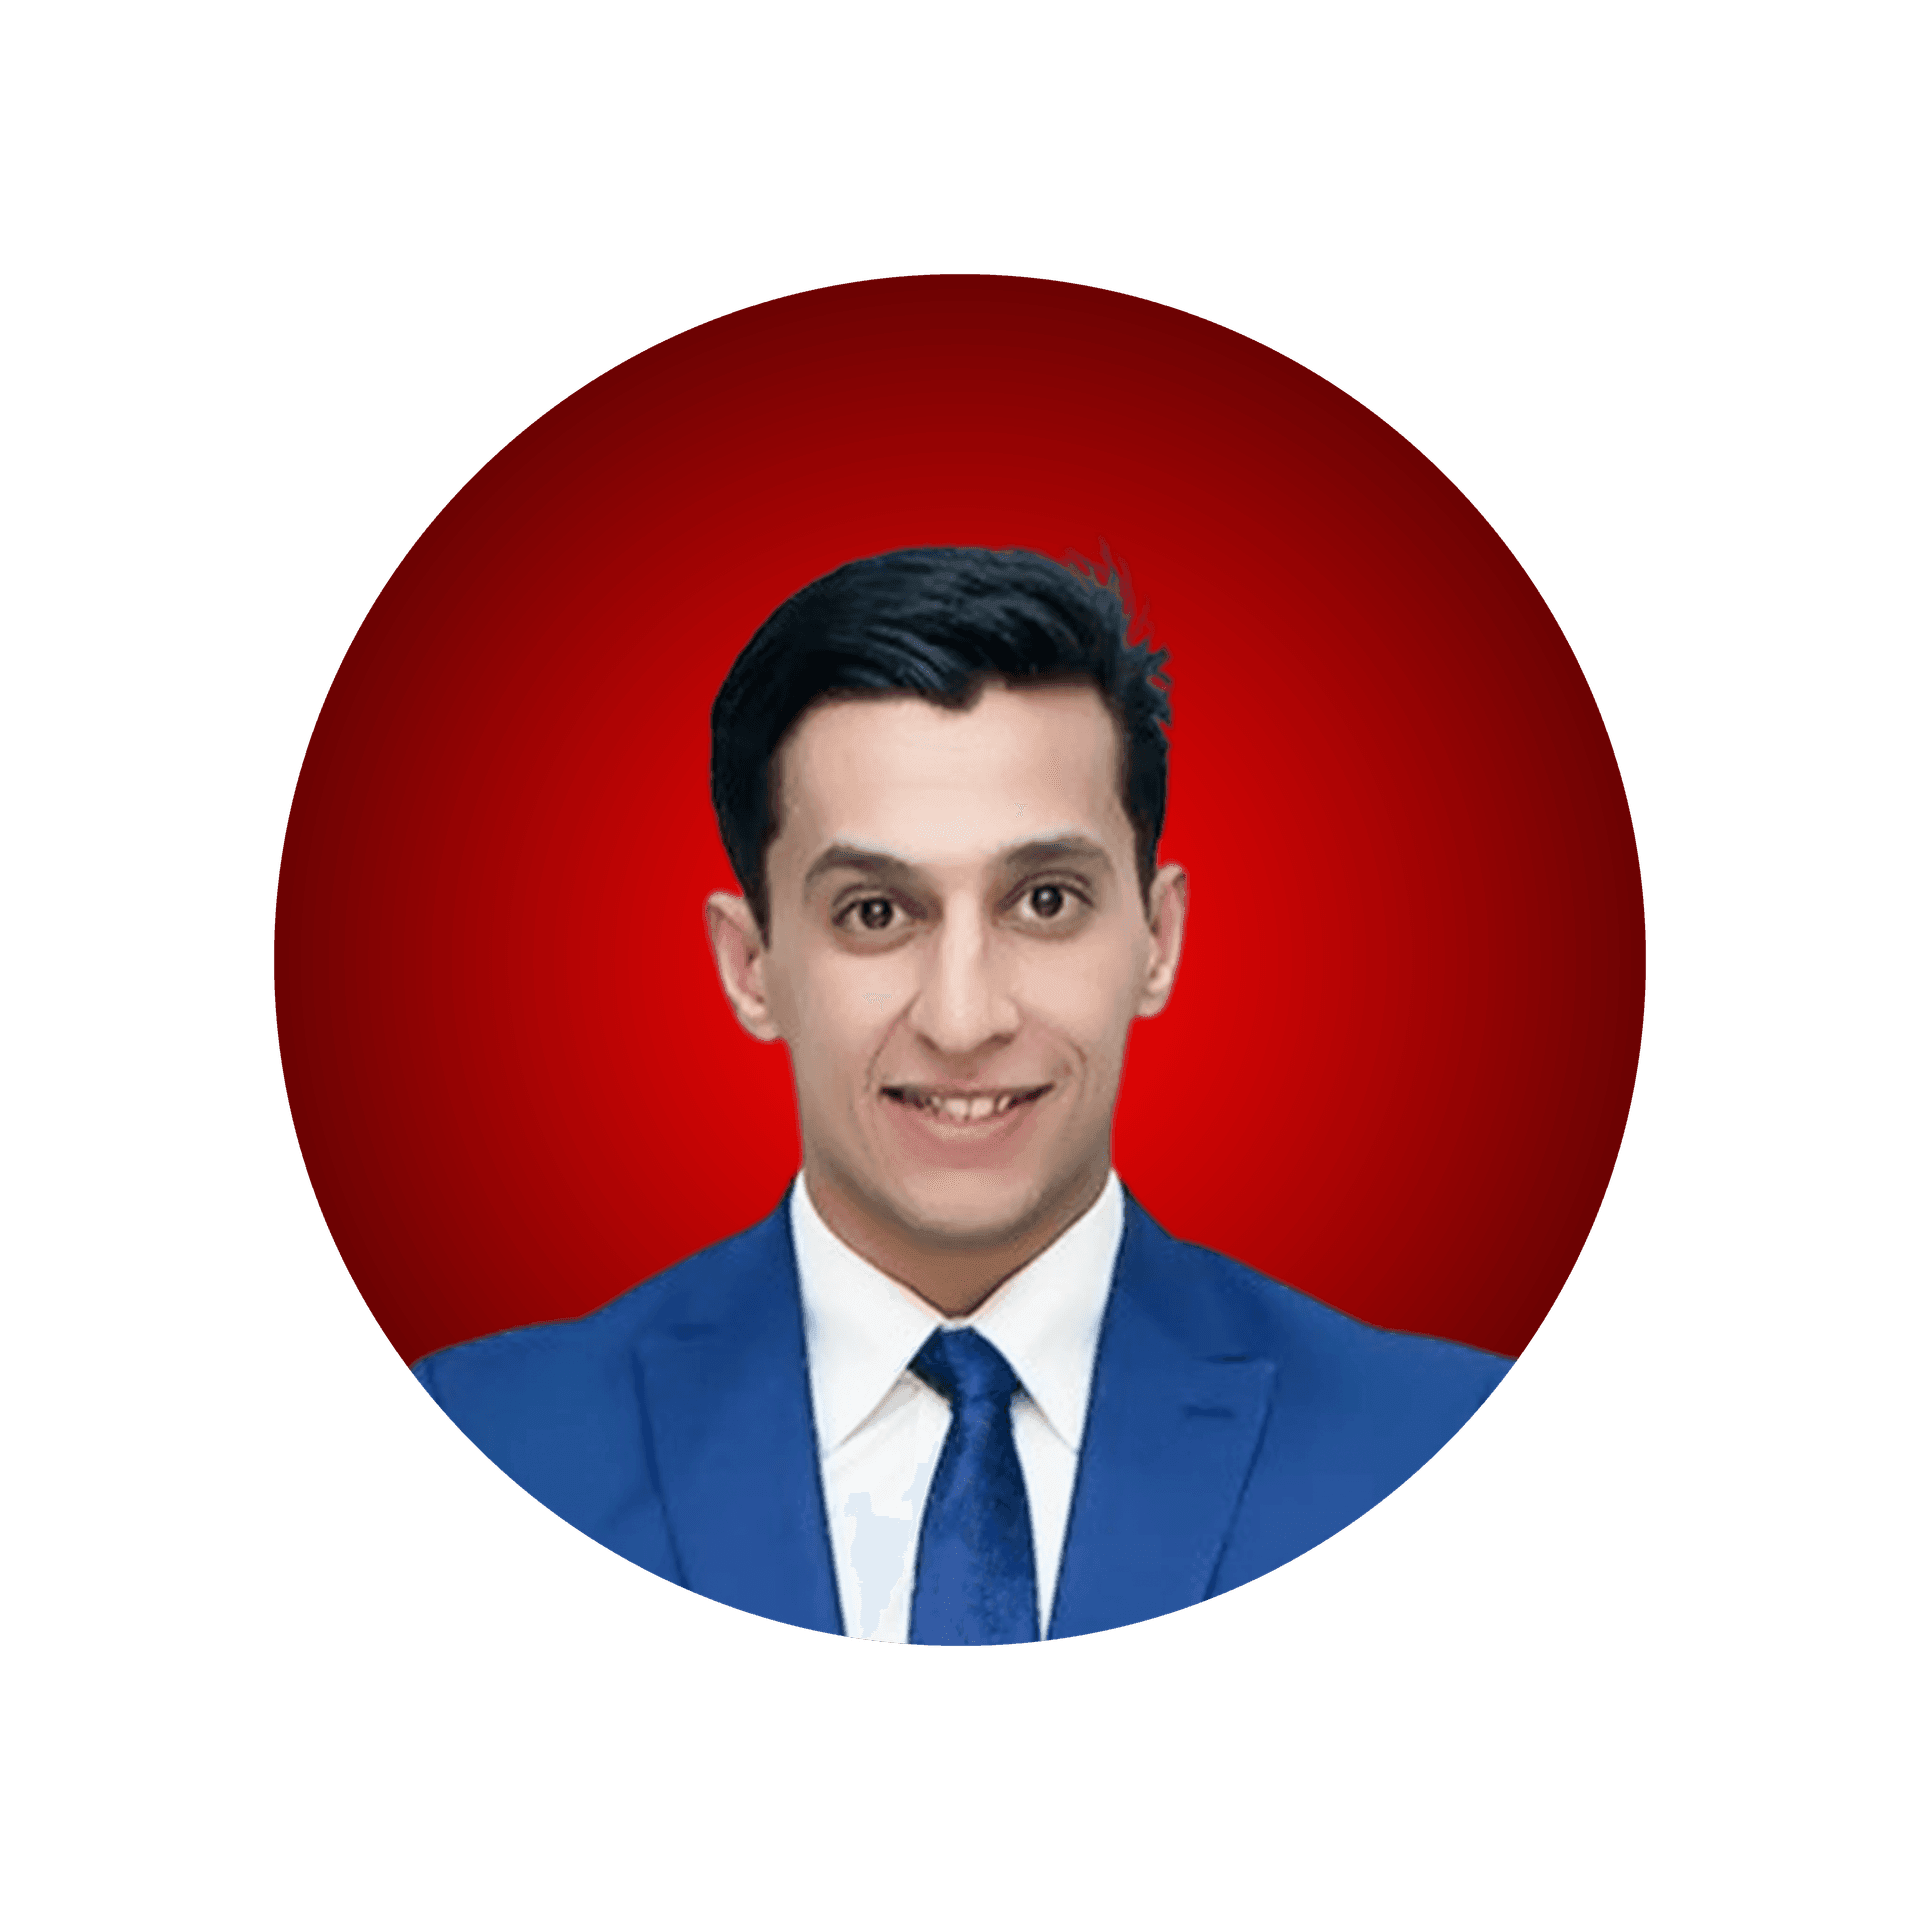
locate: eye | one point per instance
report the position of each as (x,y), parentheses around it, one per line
(1055,906)
(875,920)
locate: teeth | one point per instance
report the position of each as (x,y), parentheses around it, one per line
(965,1107)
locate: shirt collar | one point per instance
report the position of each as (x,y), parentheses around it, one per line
(863,1328)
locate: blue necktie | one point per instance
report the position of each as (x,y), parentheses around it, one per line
(973,1582)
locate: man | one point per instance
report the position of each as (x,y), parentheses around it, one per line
(958,1388)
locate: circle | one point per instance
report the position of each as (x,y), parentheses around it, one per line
(1398,1062)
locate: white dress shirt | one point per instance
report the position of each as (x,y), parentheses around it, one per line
(879,1427)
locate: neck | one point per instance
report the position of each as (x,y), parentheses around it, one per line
(954,1278)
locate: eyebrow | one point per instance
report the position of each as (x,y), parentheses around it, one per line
(1025,856)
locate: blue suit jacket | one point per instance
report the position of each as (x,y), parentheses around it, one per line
(1233,1424)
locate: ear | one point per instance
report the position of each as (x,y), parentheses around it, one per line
(741,954)
(1166,931)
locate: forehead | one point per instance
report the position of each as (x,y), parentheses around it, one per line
(933,784)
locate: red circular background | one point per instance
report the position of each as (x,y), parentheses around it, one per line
(1397,1066)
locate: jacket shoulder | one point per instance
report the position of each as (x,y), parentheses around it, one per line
(559,1406)
(1253,1312)
(1355,1411)
(553,1353)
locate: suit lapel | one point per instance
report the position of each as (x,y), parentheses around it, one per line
(1172,1425)
(731,1426)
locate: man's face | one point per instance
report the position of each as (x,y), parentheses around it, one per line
(957,948)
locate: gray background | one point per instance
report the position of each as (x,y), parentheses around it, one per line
(1636,278)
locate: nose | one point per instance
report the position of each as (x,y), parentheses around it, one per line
(963,1004)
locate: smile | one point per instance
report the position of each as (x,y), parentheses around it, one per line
(962,1109)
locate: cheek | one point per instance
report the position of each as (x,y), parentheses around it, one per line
(835,1022)
(1086,994)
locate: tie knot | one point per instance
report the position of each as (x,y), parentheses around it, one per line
(967,1369)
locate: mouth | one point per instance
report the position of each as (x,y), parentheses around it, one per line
(955,1108)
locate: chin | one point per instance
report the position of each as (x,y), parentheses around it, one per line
(969,1212)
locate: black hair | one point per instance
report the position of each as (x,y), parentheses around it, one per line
(940,623)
